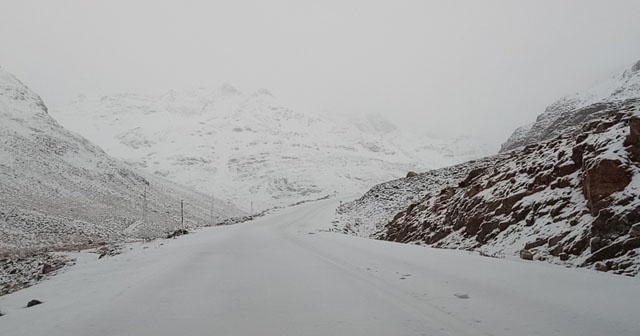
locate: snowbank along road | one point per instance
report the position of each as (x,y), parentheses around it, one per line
(284,275)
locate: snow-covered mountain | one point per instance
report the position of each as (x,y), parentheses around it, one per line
(575,108)
(58,190)
(571,197)
(253,149)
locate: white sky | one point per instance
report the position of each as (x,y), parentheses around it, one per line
(476,68)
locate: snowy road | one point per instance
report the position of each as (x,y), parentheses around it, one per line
(280,275)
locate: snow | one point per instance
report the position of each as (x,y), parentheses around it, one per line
(532,198)
(272,277)
(368,215)
(252,148)
(58,190)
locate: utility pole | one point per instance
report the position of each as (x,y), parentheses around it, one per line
(182,214)
(251,207)
(211,214)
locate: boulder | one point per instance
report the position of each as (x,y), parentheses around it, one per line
(412,174)
(526,254)
(33,303)
(47,268)
(601,267)
(177,233)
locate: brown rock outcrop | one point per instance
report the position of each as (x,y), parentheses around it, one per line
(601,179)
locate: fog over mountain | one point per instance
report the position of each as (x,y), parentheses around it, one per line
(58,190)
(443,68)
(251,148)
(564,189)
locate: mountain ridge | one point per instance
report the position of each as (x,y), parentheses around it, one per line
(58,190)
(614,90)
(567,194)
(252,148)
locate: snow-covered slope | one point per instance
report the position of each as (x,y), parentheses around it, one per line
(574,199)
(573,109)
(571,197)
(58,190)
(253,149)
(368,215)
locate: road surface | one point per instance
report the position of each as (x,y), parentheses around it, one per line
(283,274)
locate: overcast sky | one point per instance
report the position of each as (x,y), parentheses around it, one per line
(476,68)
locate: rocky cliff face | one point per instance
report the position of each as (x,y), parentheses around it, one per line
(368,215)
(573,199)
(58,190)
(565,189)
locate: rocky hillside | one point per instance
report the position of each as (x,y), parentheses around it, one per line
(573,109)
(58,190)
(253,149)
(368,215)
(572,197)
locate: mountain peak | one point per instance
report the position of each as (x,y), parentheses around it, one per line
(571,109)
(14,89)
(9,80)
